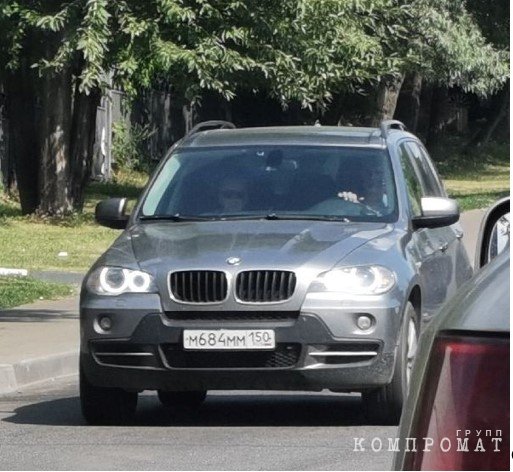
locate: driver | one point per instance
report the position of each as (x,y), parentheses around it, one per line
(373,193)
(233,195)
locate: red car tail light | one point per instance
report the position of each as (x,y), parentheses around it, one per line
(461,421)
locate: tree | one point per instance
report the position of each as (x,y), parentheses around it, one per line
(493,19)
(446,47)
(57,56)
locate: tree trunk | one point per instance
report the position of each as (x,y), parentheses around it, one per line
(409,101)
(83,128)
(436,115)
(387,95)
(54,171)
(227,110)
(7,172)
(23,134)
(189,115)
(503,110)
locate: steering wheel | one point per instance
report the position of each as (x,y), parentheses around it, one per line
(333,205)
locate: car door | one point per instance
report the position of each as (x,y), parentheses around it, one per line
(428,246)
(452,235)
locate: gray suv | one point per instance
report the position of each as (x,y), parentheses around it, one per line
(287,258)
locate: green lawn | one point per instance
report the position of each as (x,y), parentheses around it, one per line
(16,291)
(34,243)
(477,179)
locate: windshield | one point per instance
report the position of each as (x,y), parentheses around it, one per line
(274,182)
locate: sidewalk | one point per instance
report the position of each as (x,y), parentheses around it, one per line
(40,341)
(471,222)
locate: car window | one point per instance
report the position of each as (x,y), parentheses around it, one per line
(242,181)
(431,187)
(434,173)
(413,184)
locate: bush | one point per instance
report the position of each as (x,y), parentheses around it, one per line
(129,149)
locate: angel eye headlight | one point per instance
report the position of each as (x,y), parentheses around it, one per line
(117,280)
(358,280)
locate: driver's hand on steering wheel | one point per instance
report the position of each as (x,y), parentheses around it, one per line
(349,197)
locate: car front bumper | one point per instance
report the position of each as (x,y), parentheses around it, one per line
(315,350)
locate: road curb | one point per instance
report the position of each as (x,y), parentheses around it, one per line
(31,371)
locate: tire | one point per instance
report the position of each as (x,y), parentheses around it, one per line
(384,405)
(106,405)
(182,400)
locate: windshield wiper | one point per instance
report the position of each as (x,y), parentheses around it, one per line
(176,217)
(299,216)
(269,216)
(284,216)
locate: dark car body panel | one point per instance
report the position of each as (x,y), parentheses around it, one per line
(481,308)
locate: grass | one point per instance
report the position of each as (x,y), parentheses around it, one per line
(16,291)
(475,179)
(34,243)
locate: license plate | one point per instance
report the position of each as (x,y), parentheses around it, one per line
(229,339)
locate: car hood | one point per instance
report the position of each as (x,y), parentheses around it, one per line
(258,244)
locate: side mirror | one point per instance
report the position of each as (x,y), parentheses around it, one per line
(111,213)
(437,212)
(494,233)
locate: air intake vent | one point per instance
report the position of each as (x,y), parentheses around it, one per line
(198,286)
(256,286)
(233,316)
(285,355)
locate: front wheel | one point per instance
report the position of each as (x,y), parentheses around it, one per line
(106,405)
(385,404)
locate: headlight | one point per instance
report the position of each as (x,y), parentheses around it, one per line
(358,280)
(117,280)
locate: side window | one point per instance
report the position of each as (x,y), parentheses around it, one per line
(434,173)
(413,185)
(430,183)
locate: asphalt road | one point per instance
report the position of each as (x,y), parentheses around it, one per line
(43,429)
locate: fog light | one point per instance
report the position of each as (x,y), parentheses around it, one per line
(364,322)
(105,323)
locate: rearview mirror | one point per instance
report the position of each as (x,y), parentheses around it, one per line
(437,212)
(111,213)
(494,232)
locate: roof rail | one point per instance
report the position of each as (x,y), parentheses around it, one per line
(217,124)
(387,125)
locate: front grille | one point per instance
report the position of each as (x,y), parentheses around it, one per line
(227,316)
(198,286)
(257,286)
(285,355)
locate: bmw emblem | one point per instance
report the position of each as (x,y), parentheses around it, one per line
(233,260)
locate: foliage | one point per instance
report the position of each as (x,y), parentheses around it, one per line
(493,19)
(128,145)
(296,50)
(449,47)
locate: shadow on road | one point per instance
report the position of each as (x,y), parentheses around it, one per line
(251,410)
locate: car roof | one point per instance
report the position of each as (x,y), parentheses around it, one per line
(291,135)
